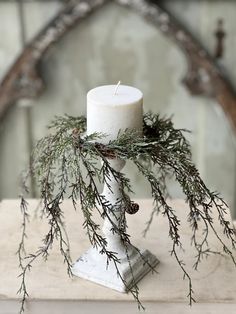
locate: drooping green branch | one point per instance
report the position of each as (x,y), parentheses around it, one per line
(66,164)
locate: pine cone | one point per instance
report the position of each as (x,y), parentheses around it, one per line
(132,209)
(76,133)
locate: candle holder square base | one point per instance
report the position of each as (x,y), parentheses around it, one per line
(93,266)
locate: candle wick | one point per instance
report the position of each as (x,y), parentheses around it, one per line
(117,86)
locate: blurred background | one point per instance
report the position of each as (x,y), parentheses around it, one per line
(112,44)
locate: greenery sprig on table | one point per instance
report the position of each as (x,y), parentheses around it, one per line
(66,163)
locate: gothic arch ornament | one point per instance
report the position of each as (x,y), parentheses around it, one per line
(203,77)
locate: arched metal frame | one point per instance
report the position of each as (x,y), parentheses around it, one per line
(203,76)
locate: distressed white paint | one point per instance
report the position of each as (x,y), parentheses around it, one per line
(133,264)
(37,14)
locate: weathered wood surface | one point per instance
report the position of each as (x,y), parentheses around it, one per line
(48,283)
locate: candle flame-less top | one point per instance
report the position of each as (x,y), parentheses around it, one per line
(110,110)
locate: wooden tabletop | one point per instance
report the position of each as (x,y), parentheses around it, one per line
(214,283)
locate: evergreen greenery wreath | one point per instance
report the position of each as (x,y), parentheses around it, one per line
(66,164)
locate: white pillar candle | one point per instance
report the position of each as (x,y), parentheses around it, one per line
(112,108)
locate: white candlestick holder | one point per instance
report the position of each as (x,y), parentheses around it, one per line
(133,263)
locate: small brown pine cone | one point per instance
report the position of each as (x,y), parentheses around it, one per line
(132,209)
(75,132)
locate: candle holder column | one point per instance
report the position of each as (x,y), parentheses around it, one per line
(114,222)
(132,263)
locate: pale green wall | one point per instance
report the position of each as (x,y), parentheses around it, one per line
(117,44)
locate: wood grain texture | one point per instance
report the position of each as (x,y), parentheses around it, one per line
(49,282)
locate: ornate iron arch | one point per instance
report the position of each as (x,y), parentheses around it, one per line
(203,77)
